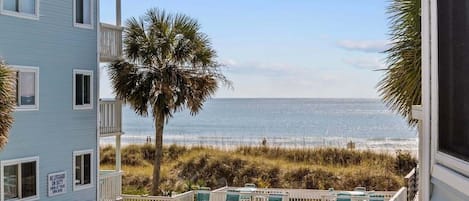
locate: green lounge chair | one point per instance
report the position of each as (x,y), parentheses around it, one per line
(360,189)
(277,197)
(376,197)
(232,195)
(344,197)
(203,194)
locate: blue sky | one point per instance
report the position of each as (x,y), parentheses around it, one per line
(288,49)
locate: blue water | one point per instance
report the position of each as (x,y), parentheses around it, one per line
(292,122)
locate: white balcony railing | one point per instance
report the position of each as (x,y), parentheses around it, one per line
(110,185)
(110,114)
(187,196)
(261,194)
(411,181)
(110,42)
(401,195)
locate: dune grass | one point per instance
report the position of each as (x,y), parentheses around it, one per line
(321,168)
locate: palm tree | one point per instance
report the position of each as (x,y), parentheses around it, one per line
(7,102)
(170,66)
(400,87)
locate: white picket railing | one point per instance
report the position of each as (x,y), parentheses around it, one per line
(411,181)
(110,114)
(187,196)
(110,185)
(261,194)
(401,195)
(110,42)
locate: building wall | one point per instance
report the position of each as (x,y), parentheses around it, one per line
(53,132)
(438,180)
(443,192)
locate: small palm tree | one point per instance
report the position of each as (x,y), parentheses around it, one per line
(401,86)
(7,102)
(170,66)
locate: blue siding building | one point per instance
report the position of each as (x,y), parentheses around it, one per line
(53,145)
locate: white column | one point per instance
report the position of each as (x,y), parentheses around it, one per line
(118,153)
(428,9)
(118,13)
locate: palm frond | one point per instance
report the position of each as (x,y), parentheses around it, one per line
(7,102)
(400,88)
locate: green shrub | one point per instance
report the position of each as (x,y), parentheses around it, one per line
(265,166)
(317,156)
(132,155)
(404,163)
(174,152)
(107,155)
(136,184)
(148,152)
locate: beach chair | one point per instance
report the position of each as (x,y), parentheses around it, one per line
(245,196)
(360,189)
(232,195)
(260,198)
(203,194)
(375,197)
(250,185)
(344,197)
(278,197)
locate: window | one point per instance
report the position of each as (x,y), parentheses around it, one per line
(450,130)
(82,89)
(20,179)
(20,8)
(83,13)
(453,47)
(82,169)
(27,87)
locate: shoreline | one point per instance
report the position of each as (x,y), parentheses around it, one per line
(389,146)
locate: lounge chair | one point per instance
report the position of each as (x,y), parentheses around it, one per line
(376,197)
(278,197)
(251,185)
(245,196)
(360,189)
(203,194)
(232,195)
(344,197)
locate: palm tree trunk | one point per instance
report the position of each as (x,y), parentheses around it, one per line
(159,125)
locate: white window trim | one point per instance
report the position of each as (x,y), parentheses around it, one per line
(36,90)
(84,106)
(441,159)
(15,162)
(91,184)
(84,26)
(19,14)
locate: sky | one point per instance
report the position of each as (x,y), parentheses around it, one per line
(283,48)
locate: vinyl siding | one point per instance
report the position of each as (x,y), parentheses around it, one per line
(53,132)
(443,192)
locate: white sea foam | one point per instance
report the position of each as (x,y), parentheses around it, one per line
(293,123)
(230,142)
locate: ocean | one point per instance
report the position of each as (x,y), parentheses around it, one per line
(296,123)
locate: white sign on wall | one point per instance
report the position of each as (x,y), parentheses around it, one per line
(57,183)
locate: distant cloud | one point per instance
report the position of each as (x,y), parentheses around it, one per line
(364,45)
(370,63)
(229,62)
(261,67)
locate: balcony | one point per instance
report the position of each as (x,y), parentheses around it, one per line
(110,42)
(110,117)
